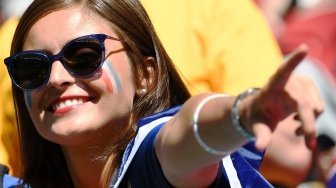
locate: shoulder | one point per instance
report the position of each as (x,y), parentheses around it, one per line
(140,150)
(148,127)
(167,113)
(10,182)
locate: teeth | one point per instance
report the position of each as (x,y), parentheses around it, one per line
(67,103)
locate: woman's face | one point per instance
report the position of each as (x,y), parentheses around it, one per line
(71,110)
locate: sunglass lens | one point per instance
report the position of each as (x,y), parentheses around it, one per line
(30,71)
(83,57)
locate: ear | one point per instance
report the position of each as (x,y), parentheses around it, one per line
(147,77)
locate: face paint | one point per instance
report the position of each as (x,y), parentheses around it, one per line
(107,81)
(111,77)
(28,98)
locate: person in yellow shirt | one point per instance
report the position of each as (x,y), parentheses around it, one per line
(9,144)
(11,10)
(220,46)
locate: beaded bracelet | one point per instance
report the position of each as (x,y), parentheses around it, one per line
(237,124)
(199,140)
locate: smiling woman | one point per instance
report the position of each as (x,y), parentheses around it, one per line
(110,110)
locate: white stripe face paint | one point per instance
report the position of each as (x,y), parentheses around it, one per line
(111,77)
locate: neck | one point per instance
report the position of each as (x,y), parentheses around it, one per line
(85,165)
(93,165)
(89,162)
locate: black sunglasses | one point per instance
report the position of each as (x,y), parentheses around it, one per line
(82,57)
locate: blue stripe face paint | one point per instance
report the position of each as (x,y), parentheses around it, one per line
(28,98)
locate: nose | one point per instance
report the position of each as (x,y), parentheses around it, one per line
(60,78)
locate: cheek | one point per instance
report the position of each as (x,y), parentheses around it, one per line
(31,98)
(111,78)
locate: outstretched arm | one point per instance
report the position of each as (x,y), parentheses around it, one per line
(186,163)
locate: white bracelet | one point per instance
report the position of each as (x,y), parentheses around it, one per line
(206,147)
(235,115)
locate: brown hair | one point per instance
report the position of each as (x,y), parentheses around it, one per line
(43,161)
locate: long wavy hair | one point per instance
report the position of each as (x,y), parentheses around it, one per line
(43,162)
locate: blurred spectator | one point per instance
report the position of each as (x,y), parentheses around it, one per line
(315,28)
(324,153)
(9,145)
(219,46)
(1,14)
(13,8)
(274,12)
(314,24)
(311,22)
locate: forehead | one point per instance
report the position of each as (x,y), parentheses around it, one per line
(57,28)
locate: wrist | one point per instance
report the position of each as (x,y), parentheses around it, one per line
(237,122)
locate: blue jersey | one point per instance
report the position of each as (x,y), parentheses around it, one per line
(11,182)
(140,167)
(331,182)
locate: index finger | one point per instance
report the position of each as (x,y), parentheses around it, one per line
(280,78)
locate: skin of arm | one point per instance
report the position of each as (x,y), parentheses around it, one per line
(260,113)
(176,142)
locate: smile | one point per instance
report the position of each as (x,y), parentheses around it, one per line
(67,104)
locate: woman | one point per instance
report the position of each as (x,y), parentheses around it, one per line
(104,111)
